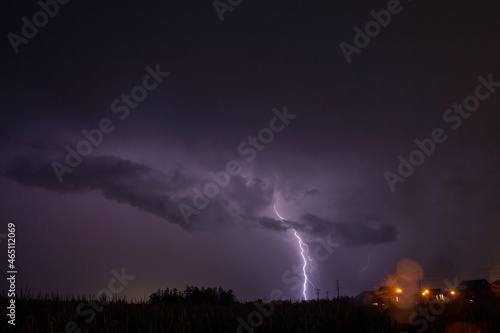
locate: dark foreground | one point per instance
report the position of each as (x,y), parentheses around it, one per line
(51,314)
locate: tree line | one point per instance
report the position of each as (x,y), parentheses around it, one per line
(193,295)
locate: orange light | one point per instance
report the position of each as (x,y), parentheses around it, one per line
(399,291)
(423,294)
(426,291)
(453,293)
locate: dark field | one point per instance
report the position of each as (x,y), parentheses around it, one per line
(52,314)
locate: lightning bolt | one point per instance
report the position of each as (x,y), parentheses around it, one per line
(304,250)
(364,268)
(278,214)
(306,280)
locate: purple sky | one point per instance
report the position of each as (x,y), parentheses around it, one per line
(324,170)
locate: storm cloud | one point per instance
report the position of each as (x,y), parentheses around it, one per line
(348,234)
(323,172)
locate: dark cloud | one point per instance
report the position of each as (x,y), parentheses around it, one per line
(138,185)
(251,194)
(312,192)
(272,224)
(116,179)
(355,234)
(349,234)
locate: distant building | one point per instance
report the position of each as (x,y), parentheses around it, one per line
(495,288)
(387,296)
(366,298)
(427,296)
(474,291)
(383,297)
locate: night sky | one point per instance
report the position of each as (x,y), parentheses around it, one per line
(270,95)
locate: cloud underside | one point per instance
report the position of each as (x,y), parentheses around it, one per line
(160,193)
(350,234)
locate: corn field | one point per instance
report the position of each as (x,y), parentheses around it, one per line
(54,314)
